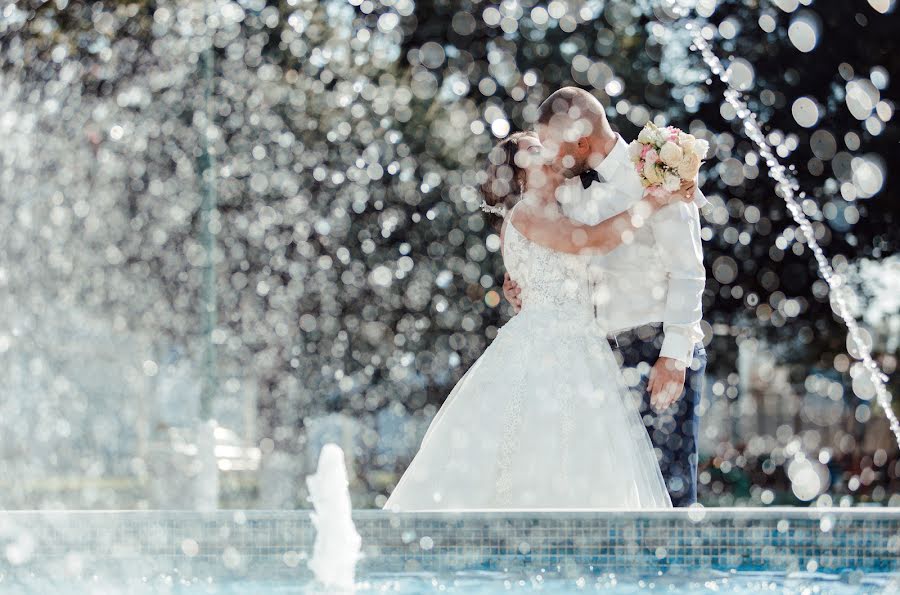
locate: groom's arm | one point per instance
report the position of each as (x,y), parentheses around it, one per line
(676,229)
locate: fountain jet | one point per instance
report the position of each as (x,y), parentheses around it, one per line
(337,546)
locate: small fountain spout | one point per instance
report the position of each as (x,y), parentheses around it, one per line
(337,546)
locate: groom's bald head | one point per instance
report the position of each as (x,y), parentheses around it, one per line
(572,125)
(573,107)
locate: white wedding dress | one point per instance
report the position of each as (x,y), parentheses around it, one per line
(543,419)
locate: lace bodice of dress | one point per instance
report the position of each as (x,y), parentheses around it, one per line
(547,279)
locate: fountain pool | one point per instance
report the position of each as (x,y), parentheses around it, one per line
(681,551)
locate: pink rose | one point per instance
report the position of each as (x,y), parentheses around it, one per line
(651,157)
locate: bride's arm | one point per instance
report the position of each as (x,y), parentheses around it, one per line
(553,230)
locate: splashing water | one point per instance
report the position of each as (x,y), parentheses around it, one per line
(355,280)
(788,189)
(337,546)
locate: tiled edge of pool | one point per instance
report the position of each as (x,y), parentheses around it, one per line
(268,544)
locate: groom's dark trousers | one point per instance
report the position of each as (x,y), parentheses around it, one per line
(675,431)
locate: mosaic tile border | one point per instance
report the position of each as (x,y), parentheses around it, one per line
(268,544)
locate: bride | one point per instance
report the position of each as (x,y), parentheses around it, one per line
(543,419)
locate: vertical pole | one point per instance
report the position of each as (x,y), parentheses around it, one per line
(208,209)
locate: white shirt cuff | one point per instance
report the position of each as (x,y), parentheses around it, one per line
(700,199)
(677,346)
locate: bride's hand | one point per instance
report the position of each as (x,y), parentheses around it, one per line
(687,190)
(660,197)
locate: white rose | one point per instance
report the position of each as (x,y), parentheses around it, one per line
(634,150)
(671,154)
(689,166)
(645,135)
(701,147)
(659,137)
(653,174)
(687,141)
(672,182)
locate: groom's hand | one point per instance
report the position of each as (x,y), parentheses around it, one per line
(666,382)
(511,292)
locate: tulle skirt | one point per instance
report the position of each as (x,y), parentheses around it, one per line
(543,420)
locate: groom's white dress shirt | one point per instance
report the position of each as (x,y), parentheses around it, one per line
(657,276)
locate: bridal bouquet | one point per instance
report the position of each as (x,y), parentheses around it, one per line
(666,156)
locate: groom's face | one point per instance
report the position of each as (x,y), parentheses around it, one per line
(565,148)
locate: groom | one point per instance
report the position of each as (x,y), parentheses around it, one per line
(646,293)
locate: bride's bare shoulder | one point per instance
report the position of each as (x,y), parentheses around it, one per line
(512,219)
(528,215)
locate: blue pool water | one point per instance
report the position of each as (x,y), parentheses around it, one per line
(497,585)
(490,583)
(803,551)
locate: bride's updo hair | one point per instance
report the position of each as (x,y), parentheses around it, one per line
(505,180)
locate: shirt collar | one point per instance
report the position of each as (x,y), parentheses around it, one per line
(613,159)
